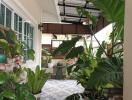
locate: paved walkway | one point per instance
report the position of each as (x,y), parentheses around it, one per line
(60,89)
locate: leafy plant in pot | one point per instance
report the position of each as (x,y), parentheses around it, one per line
(46,58)
(11,89)
(36,80)
(11,46)
(105,69)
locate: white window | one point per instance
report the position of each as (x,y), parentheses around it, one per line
(24,30)
(28,36)
(5,16)
(18,26)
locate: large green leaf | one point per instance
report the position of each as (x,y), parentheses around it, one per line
(113,10)
(101,49)
(107,71)
(75,52)
(66,46)
(8,94)
(30,53)
(11,37)
(3,77)
(36,79)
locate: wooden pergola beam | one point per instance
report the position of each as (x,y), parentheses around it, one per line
(55,28)
(58,28)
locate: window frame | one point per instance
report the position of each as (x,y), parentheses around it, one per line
(20,28)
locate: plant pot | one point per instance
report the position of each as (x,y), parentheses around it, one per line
(3,58)
(114,93)
(37,96)
(50,65)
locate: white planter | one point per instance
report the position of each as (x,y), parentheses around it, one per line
(37,96)
(50,65)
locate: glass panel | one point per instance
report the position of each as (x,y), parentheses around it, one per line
(2,14)
(28,43)
(20,24)
(31,43)
(16,22)
(25,55)
(32,31)
(25,28)
(25,39)
(28,29)
(8,18)
(20,37)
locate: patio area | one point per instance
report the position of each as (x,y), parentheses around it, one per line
(60,89)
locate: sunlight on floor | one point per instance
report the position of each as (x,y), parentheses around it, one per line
(60,89)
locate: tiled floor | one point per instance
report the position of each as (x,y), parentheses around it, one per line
(60,89)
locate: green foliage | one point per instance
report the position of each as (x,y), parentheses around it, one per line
(31,53)
(10,89)
(75,52)
(3,77)
(108,71)
(66,46)
(46,57)
(113,10)
(12,47)
(82,11)
(36,80)
(100,50)
(100,71)
(7,94)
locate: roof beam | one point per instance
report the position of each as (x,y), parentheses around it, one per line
(69,15)
(74,6)
(54,28)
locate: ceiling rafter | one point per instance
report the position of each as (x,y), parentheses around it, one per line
(69,13)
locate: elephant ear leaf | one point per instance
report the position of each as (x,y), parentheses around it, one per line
(75,52)
(101,49)
(66,46)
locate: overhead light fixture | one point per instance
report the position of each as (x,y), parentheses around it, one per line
(86,22)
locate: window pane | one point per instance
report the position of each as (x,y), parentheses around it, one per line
(8,17)
(32,31)
(2,14)
(20,37)
(28,29)
(31,43)
(25,28)
(15,22)
(20,24)
(25,55)
(25,39)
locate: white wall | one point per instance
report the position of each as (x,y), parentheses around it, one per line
(31,11)
(128,52)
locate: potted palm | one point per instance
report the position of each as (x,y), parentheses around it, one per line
(36,80)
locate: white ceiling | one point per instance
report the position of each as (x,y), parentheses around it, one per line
(50,10)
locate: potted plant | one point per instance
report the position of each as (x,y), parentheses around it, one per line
(103,70)
(59,71)
(36,80)
(46,58)
(11,89)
